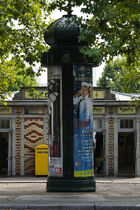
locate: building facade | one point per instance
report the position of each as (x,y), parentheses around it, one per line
(24,125)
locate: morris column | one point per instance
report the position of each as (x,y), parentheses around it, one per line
(70,109)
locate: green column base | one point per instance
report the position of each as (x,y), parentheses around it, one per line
(72,184)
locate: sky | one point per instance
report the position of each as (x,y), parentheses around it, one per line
(42,80)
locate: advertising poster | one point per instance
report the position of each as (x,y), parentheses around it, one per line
(83,121)
(54,110)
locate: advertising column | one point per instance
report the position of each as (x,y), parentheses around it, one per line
(83,121)
(55,127)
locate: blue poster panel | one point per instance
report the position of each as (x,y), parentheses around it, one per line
(83,120)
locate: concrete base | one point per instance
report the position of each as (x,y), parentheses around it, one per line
(62,184)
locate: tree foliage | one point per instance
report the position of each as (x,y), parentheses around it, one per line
(22,79)
(110,27)
(22,27)
(129,78)
(6,77)
(12,77)
(118,77)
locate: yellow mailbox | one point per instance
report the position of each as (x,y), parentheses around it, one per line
(41,159)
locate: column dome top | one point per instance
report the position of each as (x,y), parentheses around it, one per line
(63,32)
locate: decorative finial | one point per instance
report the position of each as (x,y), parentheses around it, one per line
(69,6)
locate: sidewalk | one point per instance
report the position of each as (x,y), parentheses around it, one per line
(39,179)
(30,193)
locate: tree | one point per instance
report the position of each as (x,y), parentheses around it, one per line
(22,79)
(11,79)
(22,27)
(110,27)
(117,76)
(6,77)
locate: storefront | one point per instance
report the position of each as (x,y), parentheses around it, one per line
(24,125)
(117,134)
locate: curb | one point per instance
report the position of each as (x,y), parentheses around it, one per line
(101,182)
(72,207)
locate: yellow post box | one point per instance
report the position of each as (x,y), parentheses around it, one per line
(41,160)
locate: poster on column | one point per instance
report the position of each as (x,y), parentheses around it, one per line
(83,121)
(54,110)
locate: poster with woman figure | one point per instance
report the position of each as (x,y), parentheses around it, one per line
(83,121)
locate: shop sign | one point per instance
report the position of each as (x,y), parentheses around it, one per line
(98,94)
(126,110)
(98,109)
(5,110)
(37,94)
(83,121)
